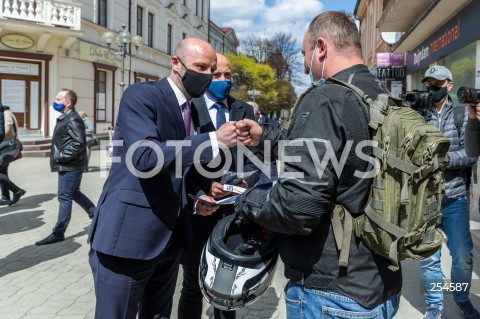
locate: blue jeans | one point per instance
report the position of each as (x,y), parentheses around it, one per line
(309,303)
(456,225)
(68,191)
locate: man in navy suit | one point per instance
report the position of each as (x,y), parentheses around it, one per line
(140,224)
(211,110)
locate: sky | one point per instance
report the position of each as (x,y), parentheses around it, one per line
(267,17)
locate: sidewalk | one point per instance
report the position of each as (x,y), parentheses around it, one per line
(55,282)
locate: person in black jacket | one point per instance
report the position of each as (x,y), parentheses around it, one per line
(69,158)
(327,118)
(2,123)
(472,130)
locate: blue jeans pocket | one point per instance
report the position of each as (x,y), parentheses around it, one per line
(331,313)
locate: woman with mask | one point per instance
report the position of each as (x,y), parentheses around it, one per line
(455,221)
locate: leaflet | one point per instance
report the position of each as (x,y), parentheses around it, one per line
(234,189)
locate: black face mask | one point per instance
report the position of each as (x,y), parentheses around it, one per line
(438,93)
(195,83)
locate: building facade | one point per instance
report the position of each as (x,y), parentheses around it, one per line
(430,32)
(440,32)
(223,40)
(46,45)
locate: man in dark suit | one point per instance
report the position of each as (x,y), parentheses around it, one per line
(140,224)
(210,111)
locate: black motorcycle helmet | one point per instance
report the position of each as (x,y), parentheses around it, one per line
(237,264)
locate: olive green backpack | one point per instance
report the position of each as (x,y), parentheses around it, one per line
(403,209)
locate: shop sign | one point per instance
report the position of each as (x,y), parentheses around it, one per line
(389,59)
(94,53)
(16,41)
(391,73)
(459,31)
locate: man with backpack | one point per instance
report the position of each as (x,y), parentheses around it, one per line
(455,212)
(328,118)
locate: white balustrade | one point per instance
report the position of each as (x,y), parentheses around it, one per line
(47,12)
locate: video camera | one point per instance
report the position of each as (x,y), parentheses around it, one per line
(468,95)
(418,100)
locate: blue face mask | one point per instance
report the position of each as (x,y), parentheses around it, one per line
(58,107)
(220,89)
(322,80)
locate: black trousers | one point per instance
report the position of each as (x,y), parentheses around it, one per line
(125,287)
(191,299)
(6,184)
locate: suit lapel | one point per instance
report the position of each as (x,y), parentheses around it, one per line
(203,122)
(172,107)
(237,110)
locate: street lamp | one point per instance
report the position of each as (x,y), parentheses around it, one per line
(122,40)
(253,93)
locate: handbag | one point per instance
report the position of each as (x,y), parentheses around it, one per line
(11,149)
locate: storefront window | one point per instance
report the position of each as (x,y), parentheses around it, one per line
(462,65)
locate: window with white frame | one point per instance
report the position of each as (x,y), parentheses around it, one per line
(150,29)
(169,38)
(102,13)
(140,21)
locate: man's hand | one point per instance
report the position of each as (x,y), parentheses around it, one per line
(249,132)
(227,135)
(204,209)
(474,111)
(216,191)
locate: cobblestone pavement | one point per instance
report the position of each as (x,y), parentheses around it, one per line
(55,281)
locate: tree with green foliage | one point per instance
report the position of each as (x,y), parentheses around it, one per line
(247,74)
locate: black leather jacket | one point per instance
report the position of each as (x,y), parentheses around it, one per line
(299,208)
(68,152)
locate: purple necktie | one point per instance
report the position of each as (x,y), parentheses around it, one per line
(187,118)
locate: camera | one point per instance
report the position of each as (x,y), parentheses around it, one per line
(418,100)
(468,95)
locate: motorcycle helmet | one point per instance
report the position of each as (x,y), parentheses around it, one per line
(237,264)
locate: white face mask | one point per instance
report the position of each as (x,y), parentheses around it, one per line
(322,80)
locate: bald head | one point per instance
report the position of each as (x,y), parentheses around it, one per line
(223,71)
(195,55)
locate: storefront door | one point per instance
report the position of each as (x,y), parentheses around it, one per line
(20,89)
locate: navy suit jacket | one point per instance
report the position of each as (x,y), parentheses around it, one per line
(136,215)
(202,226)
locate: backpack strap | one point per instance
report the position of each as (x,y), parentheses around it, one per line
(378,109)
(342,235)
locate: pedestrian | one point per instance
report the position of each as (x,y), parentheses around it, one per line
(455,221)
(68,157)
(2,122)
(212,109)
(89,129)
(6,183)
(140,225)
(299,205)
(472,131)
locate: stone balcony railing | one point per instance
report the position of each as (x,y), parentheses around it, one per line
(46,12)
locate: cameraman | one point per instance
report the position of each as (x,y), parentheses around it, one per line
(456,218)
(472,131)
